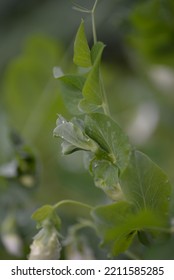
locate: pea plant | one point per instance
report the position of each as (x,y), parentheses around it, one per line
(138,191)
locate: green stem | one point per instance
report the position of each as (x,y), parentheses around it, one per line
(80,8)
(93,22)
(69,201)
(92,12)
(81,225)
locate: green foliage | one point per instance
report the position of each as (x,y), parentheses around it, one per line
(82,55)
(71,88)
(118,223)
(135,216)
(139,187)
(74,87)
(147,191)
(46,214)
(74,136)
(138,190)
(92,90)
(108,146)
(146,185)
(105,175)
(110,137)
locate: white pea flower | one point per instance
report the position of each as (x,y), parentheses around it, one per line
(46,245)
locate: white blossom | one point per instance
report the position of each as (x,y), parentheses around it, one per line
(46,245)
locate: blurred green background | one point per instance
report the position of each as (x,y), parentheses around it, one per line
(138,71)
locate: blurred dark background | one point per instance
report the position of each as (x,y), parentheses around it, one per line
(138,71)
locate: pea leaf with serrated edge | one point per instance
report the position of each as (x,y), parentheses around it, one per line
(103,130)
(92,88)
(44,214)
(146,185)
(82,56)
(74,135)
(71,89)
(118,223)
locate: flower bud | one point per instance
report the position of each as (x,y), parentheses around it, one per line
(46,245)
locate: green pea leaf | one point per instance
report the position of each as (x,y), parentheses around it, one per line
(82,56)
(146,185)
(96,51)
(106,177)
(92,88)
(73,136)
(103,130)
(46,214)
(86,106)
(118,223)
(42,213)
(71,89)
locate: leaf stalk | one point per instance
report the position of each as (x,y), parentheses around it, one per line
(69,201)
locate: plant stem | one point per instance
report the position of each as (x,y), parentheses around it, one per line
(93,22)
(69,201)
(81,225)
